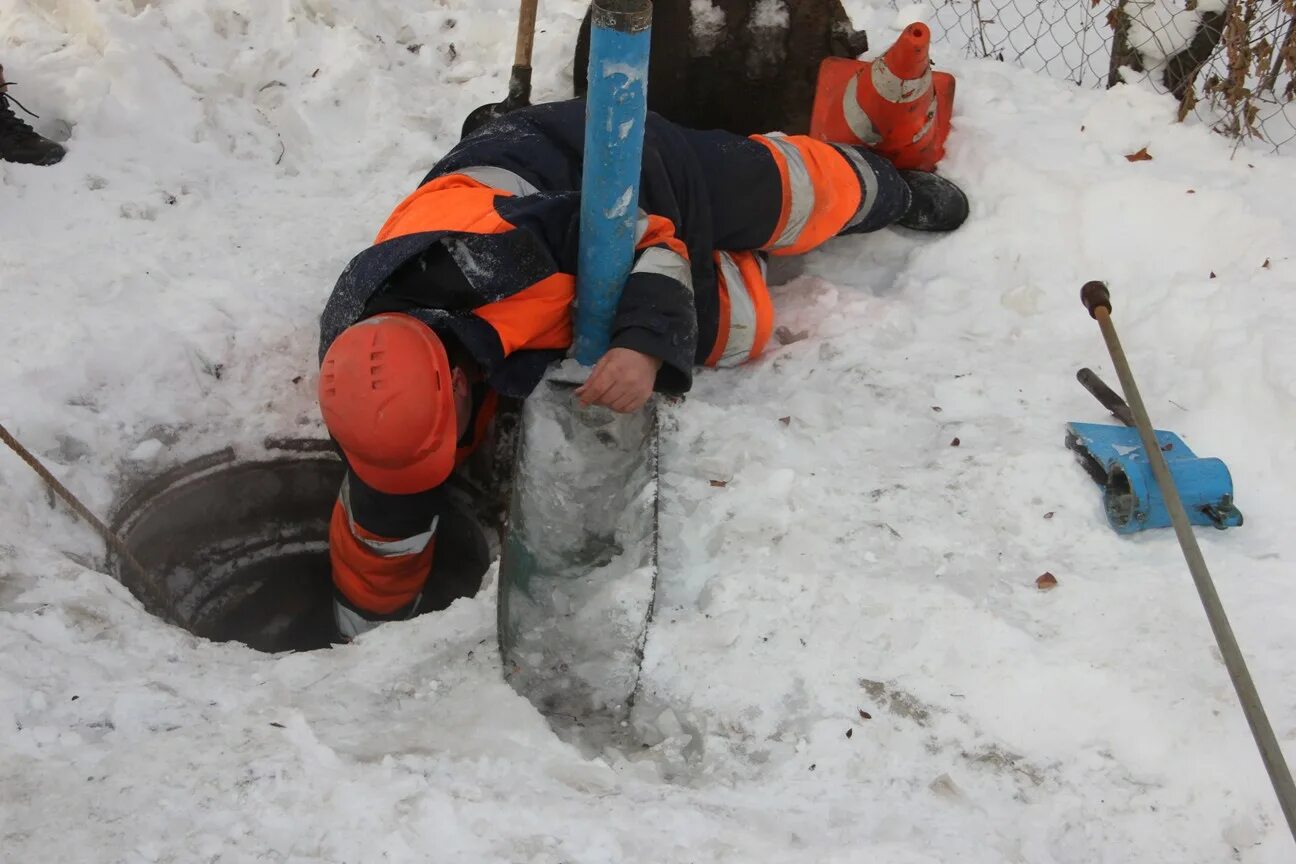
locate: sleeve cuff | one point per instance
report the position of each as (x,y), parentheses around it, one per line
(676,373)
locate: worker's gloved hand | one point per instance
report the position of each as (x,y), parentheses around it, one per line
(622,380)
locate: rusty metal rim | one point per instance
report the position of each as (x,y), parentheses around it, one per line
(138,501)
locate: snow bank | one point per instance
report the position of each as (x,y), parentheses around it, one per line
(829,552)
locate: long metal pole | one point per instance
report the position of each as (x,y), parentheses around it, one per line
(1098,301)
(616,109)
(74,502)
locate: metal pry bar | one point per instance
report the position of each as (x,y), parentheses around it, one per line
(1097,300)
(1109,398)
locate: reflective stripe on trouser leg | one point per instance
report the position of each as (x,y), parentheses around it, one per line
(821,192)
(884,195)
(746,309)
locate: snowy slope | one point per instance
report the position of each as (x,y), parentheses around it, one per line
(159,291)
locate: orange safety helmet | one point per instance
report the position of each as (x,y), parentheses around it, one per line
(895,105)
(387,399)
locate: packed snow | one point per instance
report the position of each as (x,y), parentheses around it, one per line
(850,659)
(1160,29)
(771,14)
(708,22)
(767,24)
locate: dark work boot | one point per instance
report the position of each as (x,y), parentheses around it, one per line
(884,196)
(18,141)
(935,203)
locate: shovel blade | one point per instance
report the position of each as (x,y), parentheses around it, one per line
(483,114)
(519,96)
(579,565)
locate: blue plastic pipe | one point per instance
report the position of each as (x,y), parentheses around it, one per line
(616,108)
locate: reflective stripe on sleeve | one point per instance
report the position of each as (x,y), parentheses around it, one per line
(499,178)
(664,262)
(351,623)
(384,548)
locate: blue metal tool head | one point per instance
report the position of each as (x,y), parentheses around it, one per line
(1115,458)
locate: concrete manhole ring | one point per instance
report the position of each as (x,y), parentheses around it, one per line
(236,547)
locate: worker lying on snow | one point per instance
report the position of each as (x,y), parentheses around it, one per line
(467,292)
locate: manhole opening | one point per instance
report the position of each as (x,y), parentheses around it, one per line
(237,549)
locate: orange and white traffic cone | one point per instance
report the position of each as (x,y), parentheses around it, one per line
(895,105)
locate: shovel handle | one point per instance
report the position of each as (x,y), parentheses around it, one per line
(525,34)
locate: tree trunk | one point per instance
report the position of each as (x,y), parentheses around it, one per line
(1181,69)
(1123,54)
(743,65)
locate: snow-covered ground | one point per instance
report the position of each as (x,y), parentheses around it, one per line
(159,292)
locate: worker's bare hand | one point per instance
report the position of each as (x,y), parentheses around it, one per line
(622,380)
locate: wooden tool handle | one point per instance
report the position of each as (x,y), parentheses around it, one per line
(526,33)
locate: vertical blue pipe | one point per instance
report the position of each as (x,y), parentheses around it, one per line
(616,108)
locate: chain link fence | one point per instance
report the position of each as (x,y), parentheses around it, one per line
(1230,63)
